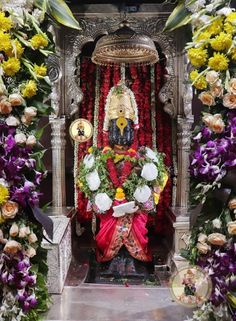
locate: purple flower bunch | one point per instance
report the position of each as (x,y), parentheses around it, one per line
(221,266)
(213,156)
(15,273)
(18,168)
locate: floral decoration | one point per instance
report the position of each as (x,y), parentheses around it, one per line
(105,185)
(25,44)
(213,159)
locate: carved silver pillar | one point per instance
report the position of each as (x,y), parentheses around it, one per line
(183,144)
(58,163)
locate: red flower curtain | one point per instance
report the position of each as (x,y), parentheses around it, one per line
(139,79)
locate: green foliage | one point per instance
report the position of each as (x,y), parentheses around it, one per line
(59,11)
(178,18)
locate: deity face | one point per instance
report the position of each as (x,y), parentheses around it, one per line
(117,137)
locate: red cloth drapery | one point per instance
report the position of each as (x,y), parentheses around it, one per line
(140,83)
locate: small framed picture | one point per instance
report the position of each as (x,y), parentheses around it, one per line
(81,130)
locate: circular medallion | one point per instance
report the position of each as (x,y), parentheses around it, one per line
(191,286)
(81,130)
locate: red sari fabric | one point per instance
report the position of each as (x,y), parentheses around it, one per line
(129,231)
(140,83)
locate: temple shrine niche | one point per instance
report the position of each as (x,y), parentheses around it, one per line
(80,90)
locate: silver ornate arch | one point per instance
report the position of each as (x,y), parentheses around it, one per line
(95,27)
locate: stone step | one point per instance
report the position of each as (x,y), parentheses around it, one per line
(113,303)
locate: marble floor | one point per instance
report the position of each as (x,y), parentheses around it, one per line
(116,303)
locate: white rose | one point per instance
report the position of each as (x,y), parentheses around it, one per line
(149,172)
(30,252)
(93,180)
(26,120)
(212,76)
(202,238)
(216,223)
(31,140)
(23,232)
(14,230)
(20,138)
(229,101)
(103,202)
(30,112)
(232,86)
(151,154)
(89,161)
(203,248)
(142,194)
(32,238)
(217,239)
(12,121)
(16,99)
(12,247)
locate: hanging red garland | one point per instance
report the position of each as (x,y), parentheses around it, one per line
(141,86)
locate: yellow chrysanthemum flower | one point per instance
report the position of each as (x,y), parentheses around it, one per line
(39,41)
(233,54)
(30,89)
(11,66)
(90,150)
(215,27)
(5,22)
(203,36)
(200,83)
(197,56)
(16,49)
(222,42)
(231,18)
(5,41)
(229,28)
(4,194)
(218,62)
(40,70)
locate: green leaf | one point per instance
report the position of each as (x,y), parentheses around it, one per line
(39,132)
(60,12)
(178,18)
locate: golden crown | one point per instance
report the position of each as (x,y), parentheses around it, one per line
(120,103)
